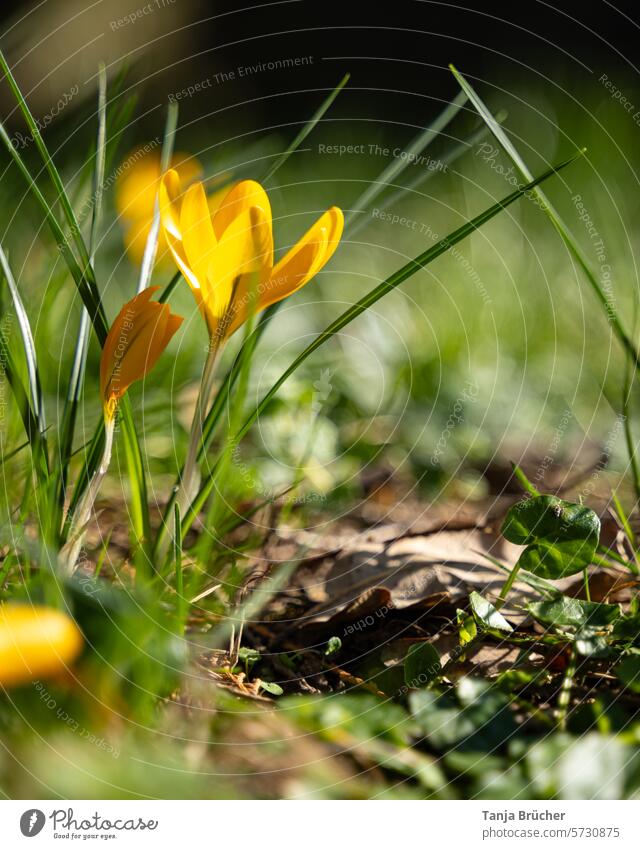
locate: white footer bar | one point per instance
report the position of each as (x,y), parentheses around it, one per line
(309,824)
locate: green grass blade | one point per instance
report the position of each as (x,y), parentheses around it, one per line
(632,450)
(138,503)
(91,461)
(27,414)
(367,301)
(356,225)
(447,159)
(151,246)
(420,143)
(524,481)
(182,608)
(88,291)
(4,458)
(28,345)
(76,379)
(571,243)
(624,520)
(62,195)
(308,127)
(77,371)
(168,289)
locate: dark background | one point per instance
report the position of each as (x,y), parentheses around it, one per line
(397,52)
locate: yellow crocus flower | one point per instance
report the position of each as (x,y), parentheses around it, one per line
(227,256)
(135,197)
(35,642)
(140,333)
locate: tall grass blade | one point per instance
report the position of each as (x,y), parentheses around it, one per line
(557,221)
(76,379)
(419,144)
(88,292)
(308,127)
(27,414)
(151,246)
(62,195)
(447,159)
(28,345)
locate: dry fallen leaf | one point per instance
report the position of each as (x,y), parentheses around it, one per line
(408,572)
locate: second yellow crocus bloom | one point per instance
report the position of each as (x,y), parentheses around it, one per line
(35,642)
(135,197)
(139,334)
(227,257)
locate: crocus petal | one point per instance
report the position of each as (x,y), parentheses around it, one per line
(244,249)
(170,203)
(137,186)
(35,642)
(138,336)
(249,287)
(305,259)
(242,197)
(128,311)
(143,348)
(170,220)
(198,240)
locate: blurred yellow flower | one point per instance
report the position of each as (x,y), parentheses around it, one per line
(140,333)
(135,197)
(227,256)
(35,642)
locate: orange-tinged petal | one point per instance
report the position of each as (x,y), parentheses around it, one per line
(139,334)
(35,642)
(120,324)
(142,348)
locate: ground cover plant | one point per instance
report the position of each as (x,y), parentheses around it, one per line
(196,572)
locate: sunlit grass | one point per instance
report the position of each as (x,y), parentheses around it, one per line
(448,285)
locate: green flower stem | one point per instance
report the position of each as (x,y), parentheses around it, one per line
(68,557)
(507,585)
(189,484)
(564,699)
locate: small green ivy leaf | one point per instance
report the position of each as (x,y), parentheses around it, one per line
(555,560)
(270,687)
(628,671)
(421,665)
(334,644)
(565,612)
(561,537)
(467,628)
(627,628)
(487,614)
(549,517)
(589,644)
